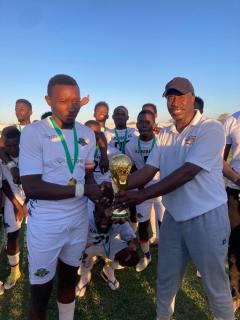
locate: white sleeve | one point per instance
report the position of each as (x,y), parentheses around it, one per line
(92,146)
(208,146)
(227,128)
(30,157)
(127,232)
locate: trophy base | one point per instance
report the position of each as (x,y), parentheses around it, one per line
(120,214)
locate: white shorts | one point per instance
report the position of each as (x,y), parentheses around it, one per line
(116,245)
(10,222)
(144,209)
(47,243)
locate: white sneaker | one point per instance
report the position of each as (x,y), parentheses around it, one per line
(199,274)
(143,263)
(1,288)
(12,280)
(107,274)
(82,285)
(153,241)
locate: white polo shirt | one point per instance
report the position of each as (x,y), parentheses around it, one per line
(201,143)
(232,131)
(41,152)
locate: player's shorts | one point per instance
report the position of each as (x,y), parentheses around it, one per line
(144,209)
(116,245)
(49,242)
(10,222)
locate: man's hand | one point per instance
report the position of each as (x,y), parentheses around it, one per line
(84,100)
(97,194)
(104,164)
(125,199)
(15,174)
(18,211)
(132,245)
(107,189)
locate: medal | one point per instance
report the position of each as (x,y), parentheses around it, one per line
(72,182)
(123,144)
(71,165)
(108,262)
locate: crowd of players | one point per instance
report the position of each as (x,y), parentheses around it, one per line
(64,187)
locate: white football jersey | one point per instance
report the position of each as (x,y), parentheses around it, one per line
(16,189)
(117,140)
(41,152)
(116,229)
(138,151)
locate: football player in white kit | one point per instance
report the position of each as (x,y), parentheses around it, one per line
(138,149)
(23,111)
(101,114)
(56,155)
(121,134)
(104,241)
(14,209)
(118,138)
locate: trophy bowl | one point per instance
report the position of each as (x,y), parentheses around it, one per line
(120,166)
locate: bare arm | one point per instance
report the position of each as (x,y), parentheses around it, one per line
(35,188)
(170,183)
(141,177)
(226,151)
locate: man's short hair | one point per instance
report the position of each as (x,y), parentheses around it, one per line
(151,105)
(199,103)
(26,102)
(10,132)
(101,103)
(92,123)
(60,79)
(121,107)
(46,114)
(146,112)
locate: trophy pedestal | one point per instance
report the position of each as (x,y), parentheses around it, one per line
(123,214)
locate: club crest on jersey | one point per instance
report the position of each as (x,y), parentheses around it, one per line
(190,140)
(42,272)
(82,142)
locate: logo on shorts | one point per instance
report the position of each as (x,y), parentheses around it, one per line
(42,272)
(82,142)
(139,215)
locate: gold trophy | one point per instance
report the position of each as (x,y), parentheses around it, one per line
(120,167)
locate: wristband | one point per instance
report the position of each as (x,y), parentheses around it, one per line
(11,165)
(79,190)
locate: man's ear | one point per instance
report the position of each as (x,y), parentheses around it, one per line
(48,100)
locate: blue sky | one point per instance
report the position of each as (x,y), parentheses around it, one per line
(120,51)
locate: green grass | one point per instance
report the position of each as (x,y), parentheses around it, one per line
(135,300)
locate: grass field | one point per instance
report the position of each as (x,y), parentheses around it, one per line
(135,300)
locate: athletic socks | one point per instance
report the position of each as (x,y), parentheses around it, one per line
(145,248)
(66,310)
(14,264)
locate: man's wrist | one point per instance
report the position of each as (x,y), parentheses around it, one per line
(11,164)
(237,180)
(79,190)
